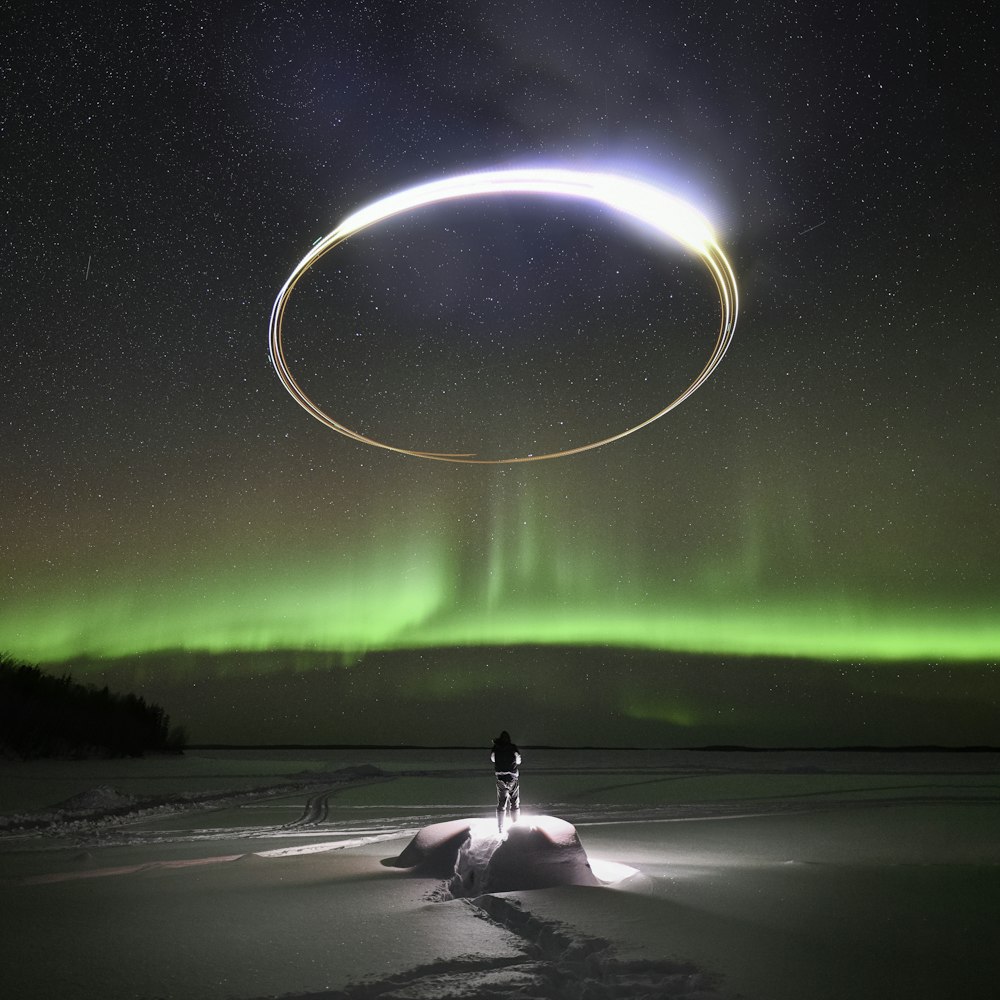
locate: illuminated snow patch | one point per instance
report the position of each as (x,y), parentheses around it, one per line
(610,872)
(537,852)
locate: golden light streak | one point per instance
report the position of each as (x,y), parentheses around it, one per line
(666,214)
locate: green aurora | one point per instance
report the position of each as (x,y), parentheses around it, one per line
(415,610)
(518,577)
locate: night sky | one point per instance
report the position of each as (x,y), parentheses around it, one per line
(803,552)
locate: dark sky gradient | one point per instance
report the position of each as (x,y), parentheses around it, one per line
(805,551)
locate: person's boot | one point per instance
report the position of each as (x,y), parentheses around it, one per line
(500,820)
(515,815)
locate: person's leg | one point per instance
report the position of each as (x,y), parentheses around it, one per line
(502,799)
(515,800)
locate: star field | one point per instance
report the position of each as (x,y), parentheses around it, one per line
(813,534)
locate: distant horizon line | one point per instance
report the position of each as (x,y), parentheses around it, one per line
(716,748)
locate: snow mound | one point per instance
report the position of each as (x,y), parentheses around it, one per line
(537,852)
(102,797)
(434,850)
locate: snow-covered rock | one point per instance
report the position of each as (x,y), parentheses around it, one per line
(537,852)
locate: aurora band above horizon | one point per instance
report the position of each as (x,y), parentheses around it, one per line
(666,215)
(412,599)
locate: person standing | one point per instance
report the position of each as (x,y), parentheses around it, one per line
(506,760)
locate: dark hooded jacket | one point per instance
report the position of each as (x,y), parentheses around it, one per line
(505,756)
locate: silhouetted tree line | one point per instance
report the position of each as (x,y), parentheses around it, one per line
(42,715)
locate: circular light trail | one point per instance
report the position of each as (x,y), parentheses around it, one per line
(667,215)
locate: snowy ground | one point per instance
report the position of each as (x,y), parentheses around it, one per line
(255,874)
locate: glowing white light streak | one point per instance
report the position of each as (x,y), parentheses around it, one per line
(666,214)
